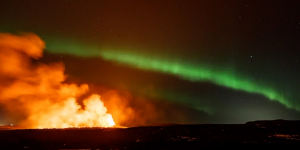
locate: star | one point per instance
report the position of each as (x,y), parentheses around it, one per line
(251,58)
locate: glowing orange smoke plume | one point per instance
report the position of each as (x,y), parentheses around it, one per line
(36,95)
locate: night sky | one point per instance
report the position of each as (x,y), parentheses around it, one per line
(195,61)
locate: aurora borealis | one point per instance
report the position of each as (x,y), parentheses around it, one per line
(220,76)
(193,61)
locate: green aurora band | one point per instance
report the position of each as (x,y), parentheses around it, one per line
(219,76)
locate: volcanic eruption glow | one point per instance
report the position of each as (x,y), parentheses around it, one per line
(37,96)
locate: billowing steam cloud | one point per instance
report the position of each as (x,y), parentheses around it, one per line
(36,96)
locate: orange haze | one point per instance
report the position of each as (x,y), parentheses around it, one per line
(36,95)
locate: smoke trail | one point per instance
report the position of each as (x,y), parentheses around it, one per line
(221,76)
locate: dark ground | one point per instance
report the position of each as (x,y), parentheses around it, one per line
(259,133)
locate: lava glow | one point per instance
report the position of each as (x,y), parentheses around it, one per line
(70,114)
(36,95)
